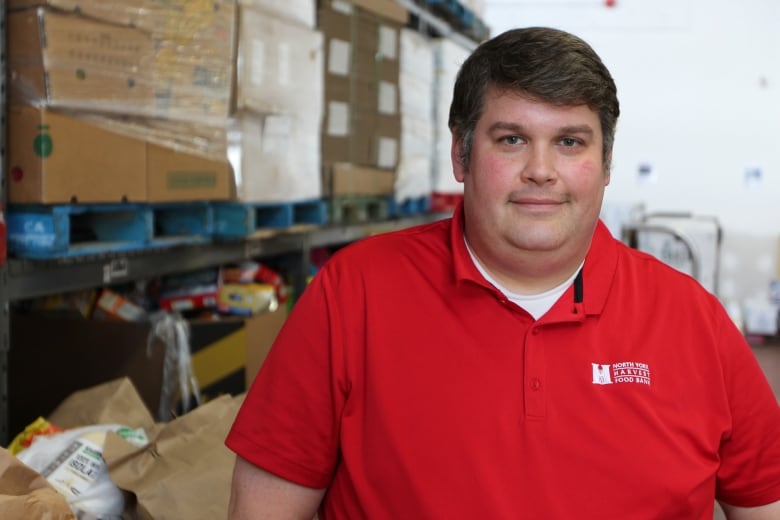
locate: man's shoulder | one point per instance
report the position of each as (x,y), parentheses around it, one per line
(406,240)
(649,274)
(424,243)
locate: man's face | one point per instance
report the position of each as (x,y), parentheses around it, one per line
(536,178)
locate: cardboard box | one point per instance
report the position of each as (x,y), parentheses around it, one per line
(178,176)
(59,157)
(361,138)
(364,95)
(178,17)
(280,65)
(388,9)
(227,353)
(65,60)
(301,12)
(181,66)
(56,354)
(448,57)
(190,137)
(349,179)
(276,157)
(54,158)
(416,79)
(360,45)
(362,120)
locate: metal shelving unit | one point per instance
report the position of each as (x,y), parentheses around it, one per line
(25,279)
(33,278)
(5,306)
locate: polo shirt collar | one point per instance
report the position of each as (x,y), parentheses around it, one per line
(599,269)
(597,276)
(465,270)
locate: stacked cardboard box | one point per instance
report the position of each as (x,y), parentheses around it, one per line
(276,157)
(416,91)
(62,157)
(362,124)
(448,57)
(172,62)
(301,12)
(152,59)
(274,138)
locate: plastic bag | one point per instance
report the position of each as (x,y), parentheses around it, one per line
(179,382)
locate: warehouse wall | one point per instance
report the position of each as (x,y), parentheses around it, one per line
(699,84)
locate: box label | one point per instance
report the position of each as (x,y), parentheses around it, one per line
(186,180)
(338,57)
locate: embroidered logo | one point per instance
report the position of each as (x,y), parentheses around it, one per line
(624,372)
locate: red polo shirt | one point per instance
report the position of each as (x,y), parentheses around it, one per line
(411,388)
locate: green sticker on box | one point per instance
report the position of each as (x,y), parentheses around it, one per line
(43,144)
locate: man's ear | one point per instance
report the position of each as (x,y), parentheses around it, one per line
(458,169)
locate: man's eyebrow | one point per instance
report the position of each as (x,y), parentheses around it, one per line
(518,128)
(577,129)
(506,125)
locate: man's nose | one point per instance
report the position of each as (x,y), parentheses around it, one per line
(539,167)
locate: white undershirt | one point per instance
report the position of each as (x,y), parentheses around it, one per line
(535,304)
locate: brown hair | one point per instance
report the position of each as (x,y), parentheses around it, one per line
(546,64)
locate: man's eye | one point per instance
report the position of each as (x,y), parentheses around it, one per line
(569,141)
(512,139)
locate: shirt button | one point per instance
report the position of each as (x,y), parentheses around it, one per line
(535,331)
(536,384)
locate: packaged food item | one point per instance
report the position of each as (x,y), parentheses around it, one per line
(267,275)
(245,299)
(251,271)
(39,426)
(72,462)
(190,290)
(111,305)
(82,302)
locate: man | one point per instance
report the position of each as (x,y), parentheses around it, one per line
(515,361)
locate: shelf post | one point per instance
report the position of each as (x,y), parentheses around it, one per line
(5,321)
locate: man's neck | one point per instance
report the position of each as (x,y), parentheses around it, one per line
(528,272)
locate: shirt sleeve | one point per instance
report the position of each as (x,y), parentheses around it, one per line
(289,421)
(749,473)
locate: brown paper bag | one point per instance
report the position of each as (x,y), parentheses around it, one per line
(114,402)
(26,494)
(185,471)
